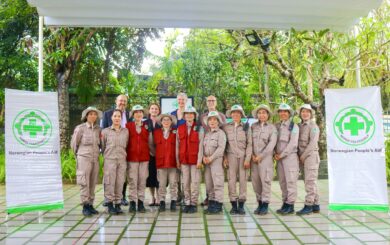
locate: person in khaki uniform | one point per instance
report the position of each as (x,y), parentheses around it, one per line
(114,143)
(237,157)
(189,147)
(287,157)
(309,158)
(211,102)
(264,137)
(85,144)
(138,156)
(165,148)
(214,144)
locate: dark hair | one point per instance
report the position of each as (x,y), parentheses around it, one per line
(152,104)
(117,110)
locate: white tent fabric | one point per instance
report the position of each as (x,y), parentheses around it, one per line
(338,15)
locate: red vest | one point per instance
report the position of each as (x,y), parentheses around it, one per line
(188,145)
(138,147)
(165,149)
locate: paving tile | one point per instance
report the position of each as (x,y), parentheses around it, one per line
(47,238)
(248,232)
(285,242)
(222,237)
(163,238)
(69,225)
(273,228)
(132,241)
(253,240)
(134,233)
(312,239)
(104,238)
(370,237)
(343,241)
(304,231)
(336,234)
(192,233)
(219,229)
(193,241)
(279,235)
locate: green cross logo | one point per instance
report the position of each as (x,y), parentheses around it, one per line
(354,125)
(32,128)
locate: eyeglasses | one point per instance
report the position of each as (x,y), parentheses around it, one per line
(211,100)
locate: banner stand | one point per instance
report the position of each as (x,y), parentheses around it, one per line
(32,152)
(356,150)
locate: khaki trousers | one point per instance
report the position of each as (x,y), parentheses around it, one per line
(288,170)
(191,179)
(262,175)
(137,173)
(87,173)
(236,168)
(310,170)
(164,176)
(114,178)
(214,178)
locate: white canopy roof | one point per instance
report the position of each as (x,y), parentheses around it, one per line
(338,15)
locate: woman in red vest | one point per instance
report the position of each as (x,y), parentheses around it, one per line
(138,150)
(165,145)
(189,159)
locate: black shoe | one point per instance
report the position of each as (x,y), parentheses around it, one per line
(210,206)
(288,210)
(86,210)
(316,208)
(111,209)
(241,209)
(307,209)
(118,209)
(141,207)
(257,211)
(264,208)
(193,209)
(132,208)
(219,206)
(234,209)
(92,209)
(124,202)
(173,206)
(282,208)
(162,206)
(216,209)
(186,208)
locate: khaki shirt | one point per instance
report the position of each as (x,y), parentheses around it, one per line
(309,134)
(201,136)
(239,142)
(287,140)
(86,140)
(214,144)
(114,143)
(264,137)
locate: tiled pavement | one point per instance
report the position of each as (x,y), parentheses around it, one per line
(68,226)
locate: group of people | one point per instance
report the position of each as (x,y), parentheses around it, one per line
(172,150)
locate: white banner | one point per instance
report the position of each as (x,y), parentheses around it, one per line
(33,169)
(356,152)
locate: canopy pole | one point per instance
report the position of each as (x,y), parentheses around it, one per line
(40,55)
(358,80)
